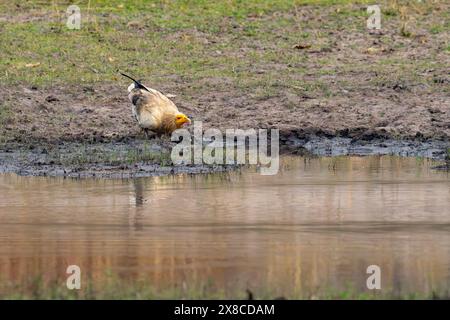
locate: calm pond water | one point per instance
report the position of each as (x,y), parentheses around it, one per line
(316,225)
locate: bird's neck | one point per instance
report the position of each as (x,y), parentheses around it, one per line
(168,123)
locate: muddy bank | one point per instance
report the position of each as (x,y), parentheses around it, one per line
(340,146)
(98,114)
(314,72)
(130,159)
(141,158)
(90,132)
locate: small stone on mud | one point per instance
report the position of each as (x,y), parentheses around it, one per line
(88,89)
(399,87)
(51,98)
(440,80)
(85,110)
(434,110)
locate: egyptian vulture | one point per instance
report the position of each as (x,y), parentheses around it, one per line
(154,111)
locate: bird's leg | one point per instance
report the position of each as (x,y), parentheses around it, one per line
(143,132)
(149,134)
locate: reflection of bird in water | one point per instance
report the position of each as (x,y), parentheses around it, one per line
(139,200)
(138,192)
(154,111)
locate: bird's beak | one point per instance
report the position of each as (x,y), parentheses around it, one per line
(184,122)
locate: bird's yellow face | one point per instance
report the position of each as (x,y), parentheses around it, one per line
(181,119)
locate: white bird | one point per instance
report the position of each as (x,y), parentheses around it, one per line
(154,111)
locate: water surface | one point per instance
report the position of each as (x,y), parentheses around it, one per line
(315,226)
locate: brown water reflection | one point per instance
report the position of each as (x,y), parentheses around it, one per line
(316,225)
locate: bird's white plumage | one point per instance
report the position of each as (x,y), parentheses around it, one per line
(153,110)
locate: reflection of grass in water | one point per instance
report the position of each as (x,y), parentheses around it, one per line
(116,289)
(111,288)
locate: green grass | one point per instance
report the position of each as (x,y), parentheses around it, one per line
(107,43)
(112,287)
(162,38)
(436,29)
(98,154)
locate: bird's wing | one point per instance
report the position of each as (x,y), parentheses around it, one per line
(139,99)
(151,100)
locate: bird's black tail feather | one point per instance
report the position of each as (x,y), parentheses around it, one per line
(137,83)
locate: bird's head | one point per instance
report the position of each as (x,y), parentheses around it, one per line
(181,119)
